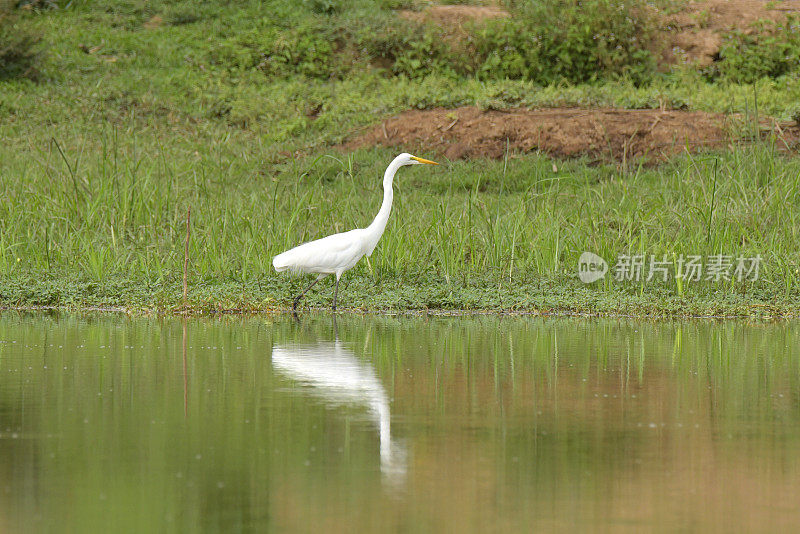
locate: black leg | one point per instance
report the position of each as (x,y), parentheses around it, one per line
(335,293)
(297,300)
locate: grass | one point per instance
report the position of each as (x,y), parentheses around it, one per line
(466,235)
(107,151)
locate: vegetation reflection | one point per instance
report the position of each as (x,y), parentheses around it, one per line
(426,424)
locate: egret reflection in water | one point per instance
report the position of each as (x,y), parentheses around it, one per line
(333,373)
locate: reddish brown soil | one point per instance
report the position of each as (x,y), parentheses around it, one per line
(455,15)
(600,134)
(695,33)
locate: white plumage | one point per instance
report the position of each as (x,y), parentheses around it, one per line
(332,371)
(330,255)
(338,253)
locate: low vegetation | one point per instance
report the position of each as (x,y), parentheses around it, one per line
(19,48)
(140,110)
(771,52)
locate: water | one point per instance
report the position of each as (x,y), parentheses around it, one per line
(111,424)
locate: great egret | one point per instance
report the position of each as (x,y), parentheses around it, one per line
(338,253)
(333,372)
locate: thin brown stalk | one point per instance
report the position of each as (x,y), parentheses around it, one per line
(186,256)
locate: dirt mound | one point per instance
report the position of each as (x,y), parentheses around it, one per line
(602,134)
(455,15)
(695,33)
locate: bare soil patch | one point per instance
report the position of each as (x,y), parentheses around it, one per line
(155,22)
(454,16)
(695,33)
(600,134)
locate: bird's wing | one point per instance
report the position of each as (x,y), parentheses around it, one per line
(326,255)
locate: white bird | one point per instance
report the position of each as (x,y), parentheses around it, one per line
(338,253)
(334,373)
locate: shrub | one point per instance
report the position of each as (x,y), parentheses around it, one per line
(323,7)
(572,40)
(771,52)
(305,51)
(19,49)
(38,4)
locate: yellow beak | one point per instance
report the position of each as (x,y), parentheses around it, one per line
(429,162)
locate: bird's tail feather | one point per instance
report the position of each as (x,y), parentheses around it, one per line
(280,263)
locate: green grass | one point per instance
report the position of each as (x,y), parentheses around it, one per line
(106,151)
(108,228)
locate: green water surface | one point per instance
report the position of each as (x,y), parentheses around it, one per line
(380,424)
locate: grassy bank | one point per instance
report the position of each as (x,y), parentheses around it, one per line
(128,125)
(497,235)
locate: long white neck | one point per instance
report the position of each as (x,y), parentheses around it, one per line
(375,230)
